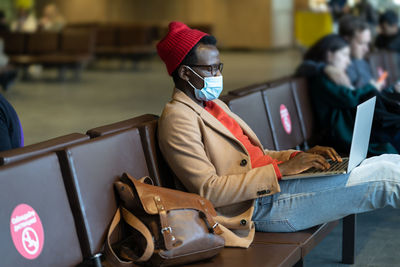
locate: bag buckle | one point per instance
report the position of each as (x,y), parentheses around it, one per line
(215,225)
(169,229)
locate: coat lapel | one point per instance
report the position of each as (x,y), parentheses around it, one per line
(211,121)
(247,130)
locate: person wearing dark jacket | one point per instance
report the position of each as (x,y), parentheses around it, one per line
(389,38)
(358,34)
(335,104)
(4,27)
(11,134)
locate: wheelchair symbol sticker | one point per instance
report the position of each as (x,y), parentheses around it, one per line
(27,231)
(285,119)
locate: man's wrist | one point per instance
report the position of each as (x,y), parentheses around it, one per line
(294,154)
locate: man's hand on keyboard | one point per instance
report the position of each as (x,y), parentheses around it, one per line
(328,152)
(302,162)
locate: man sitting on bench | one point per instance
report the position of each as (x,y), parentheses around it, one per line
(216,154)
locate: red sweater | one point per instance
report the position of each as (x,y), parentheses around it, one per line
(257,157)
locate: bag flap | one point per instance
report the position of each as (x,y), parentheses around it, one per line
(171,199)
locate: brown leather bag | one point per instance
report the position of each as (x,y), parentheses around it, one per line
(169,226)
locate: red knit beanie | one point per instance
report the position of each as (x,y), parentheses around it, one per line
(178,42)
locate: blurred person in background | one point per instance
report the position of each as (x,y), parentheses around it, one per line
(364,10)
(51,19)
(389,38)
(338,8)
(25,21)
(358,73)
(4,27)
(357,33)
(335,103)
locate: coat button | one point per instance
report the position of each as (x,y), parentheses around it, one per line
(243,163)
(263,192)
(243,222)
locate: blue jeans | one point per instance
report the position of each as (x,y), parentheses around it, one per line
(303,203)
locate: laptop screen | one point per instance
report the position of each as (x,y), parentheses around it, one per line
(361,133)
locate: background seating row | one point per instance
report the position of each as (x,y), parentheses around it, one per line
(68,49)
(119,39)
(122,40)
(78,44)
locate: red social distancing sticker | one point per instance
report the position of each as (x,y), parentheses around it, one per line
(285,118)
(27,231)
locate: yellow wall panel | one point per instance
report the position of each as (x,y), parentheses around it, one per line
(311,26)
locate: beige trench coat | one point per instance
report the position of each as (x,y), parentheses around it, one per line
(211,162)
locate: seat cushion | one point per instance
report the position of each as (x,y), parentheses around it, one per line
(33,197)
(90,168)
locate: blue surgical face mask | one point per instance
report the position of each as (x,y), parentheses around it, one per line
(211,90)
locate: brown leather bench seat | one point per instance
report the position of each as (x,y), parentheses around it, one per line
(37,183)
(249,89)
(119,126)
(267,255)
(18,154)
(90,168)
(306,239)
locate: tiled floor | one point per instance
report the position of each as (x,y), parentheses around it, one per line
(106,94)
(377,242)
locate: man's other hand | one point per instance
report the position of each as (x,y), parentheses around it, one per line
(302,162)
(328,152)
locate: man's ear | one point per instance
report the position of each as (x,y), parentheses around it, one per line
(183,73)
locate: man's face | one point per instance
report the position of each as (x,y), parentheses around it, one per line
(207,55)
(359,44)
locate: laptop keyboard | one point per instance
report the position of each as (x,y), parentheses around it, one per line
(335,167)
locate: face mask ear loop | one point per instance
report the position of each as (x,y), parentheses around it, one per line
(197,76)
(195,73)
(192,85)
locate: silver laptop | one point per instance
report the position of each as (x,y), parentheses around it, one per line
(359,145)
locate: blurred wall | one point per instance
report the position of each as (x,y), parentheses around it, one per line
(7,7)
(301,4)
(236,23)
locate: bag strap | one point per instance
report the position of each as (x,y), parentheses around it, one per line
(135,223)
